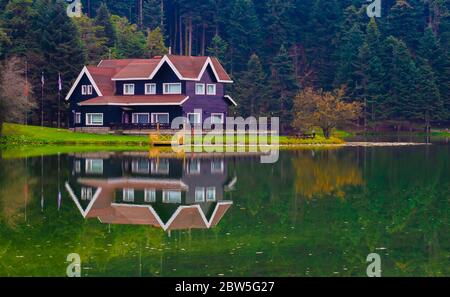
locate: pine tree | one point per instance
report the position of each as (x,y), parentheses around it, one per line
(17,24)
(325,22)
(251,89)
(62,52)
(405,20)
(244,34)
(430,105)
(130,42)
(401,103)
(430,49)
(370,74)
(218,48)
(284,86)
(103,19)
(155,43)
(94,46)
(153,14)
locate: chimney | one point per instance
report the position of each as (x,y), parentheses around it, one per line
(170,50)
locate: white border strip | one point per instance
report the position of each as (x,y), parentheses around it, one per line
(75,84)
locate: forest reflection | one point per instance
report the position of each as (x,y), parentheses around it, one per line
(325,173)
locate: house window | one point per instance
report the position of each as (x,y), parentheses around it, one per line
(217,166)
(150,196)
(173,88)
(128,89)
(77,166)
(141,118)
(140,167)
(200,194)
(94,166)
(162,118)
(217,118)
(86,194)
(150,89)
(86,90)
(194,166)
(128,195)
(94,119)
(172,197)
(77,118)
(160,167)
(199,89)
(211,89)
(211,194)
(194,118)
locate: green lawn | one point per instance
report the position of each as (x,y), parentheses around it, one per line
(14,134)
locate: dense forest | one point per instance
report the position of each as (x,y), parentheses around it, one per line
(397,65)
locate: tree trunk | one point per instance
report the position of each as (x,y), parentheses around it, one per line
(326,132)
(1,128)
(190,37)
(203,39)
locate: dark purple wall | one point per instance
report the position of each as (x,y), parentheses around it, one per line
(207,103)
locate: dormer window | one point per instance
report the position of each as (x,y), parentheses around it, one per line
(199,89)
(128,89)
(86,90)
(211,89)
(150,89)
(172,89)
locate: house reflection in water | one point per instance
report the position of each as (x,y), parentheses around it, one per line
(172,194)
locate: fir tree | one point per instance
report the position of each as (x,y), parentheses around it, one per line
(244,33)
(155,43)
(130,42)
(94,46)
(103,19)
(251,89)
(218,48)
(17,24)
(430,105)
(283,85)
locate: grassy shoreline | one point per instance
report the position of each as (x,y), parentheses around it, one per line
(20,135)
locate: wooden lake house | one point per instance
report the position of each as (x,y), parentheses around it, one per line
(141,94)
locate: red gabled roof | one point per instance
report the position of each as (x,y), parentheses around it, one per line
(102,77)
(137,69)
(137,100)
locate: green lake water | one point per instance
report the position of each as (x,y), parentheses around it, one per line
(313,213)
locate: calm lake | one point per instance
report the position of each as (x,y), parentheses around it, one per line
(314,213)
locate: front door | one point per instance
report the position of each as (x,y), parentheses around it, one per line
(125,117)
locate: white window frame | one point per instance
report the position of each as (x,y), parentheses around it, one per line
(222,167)
(211,93)
(136,168)
(77,166)
(134,120)
(86,90)
(150,195)
(155,114)
(210,190)
(149,91)
(128,195)
(202,92)
(86,193)
(77,119)
(222,116)
(129,92)
(199,117)
(89,165)
(200,190)
(155,167)
(168,92)
(197,168)
(90,123)
(167,198)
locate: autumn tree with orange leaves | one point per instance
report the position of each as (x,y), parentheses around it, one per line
(326,110)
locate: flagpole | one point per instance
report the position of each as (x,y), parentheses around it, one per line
(59,100)
(26,92)
(42,100)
